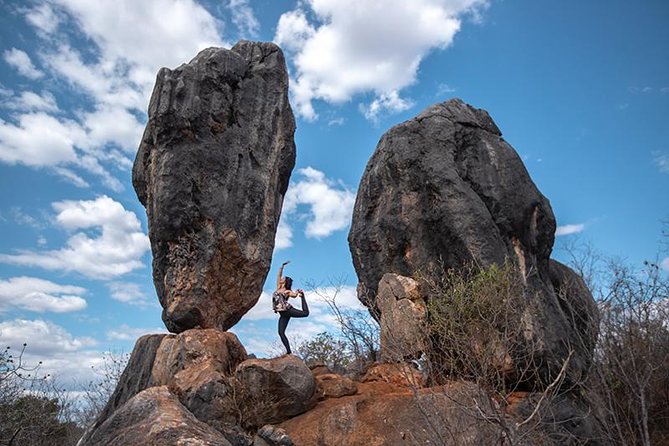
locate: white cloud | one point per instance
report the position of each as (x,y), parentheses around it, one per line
(39,140)
(115,251)
(129,42)
(127,333)
(444,89)
(43,18)
(62,354)
(284,235)
(129,293)
(330,204)
(20,60)
(243,17)
(569,229)
(31,293)
(30,101)
(391,102)
(350,47)
(661,161)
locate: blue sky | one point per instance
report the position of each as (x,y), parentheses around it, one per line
(580,89)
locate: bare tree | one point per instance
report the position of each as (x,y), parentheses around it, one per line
(358,329)
(34,410)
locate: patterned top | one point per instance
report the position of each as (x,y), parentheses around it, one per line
(280,302)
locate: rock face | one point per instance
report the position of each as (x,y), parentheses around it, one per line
(385,415)
(212,169)
(285,385)
(402,317)
(331,385)
(444,189)
(154,417)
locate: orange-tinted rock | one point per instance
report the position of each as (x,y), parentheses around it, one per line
(402,319)
(331,385)
(399,374)
(220,350)
(385,415)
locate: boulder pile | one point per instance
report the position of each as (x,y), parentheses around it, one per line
(442,190)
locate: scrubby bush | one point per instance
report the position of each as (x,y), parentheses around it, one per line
(473,326)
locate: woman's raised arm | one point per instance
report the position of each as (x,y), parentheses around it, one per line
(278,278)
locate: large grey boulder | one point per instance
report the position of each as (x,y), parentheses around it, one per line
(275,389)
(212,170)
(443,190)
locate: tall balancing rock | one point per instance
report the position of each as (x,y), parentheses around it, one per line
(212,170)
(444,189)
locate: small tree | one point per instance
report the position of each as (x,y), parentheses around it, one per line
(358,329)
(34,411)
(326,349)
(632,355)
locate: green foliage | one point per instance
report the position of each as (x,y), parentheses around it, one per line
(325,348)
(473,324)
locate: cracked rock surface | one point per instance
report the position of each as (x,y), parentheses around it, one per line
(212,170)
(444,189)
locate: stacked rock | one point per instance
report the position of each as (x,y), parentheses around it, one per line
(212,170)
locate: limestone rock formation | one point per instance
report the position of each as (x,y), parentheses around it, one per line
(402,318)
(284,384)
(154,417)
(212,169)
(444,189)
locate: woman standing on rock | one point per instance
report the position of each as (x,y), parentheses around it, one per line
(280,304)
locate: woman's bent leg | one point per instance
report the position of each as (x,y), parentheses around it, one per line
(294,312)
(284,318)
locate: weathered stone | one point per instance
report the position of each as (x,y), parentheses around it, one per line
(443,190)
(399,374)
(331,385)
(154,417)
(319,368)
(563,419)
(452,415)
(211,170)
(196,366)
(269,435)
(136,377)
(278,388)
(402,318)
(219,350)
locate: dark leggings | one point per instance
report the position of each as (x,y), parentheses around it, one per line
(284,318)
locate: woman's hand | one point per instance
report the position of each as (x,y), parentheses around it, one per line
(285,263)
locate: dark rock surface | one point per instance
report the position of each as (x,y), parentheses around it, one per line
(154,417)
(211,170)
(444,189)
(280,388)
